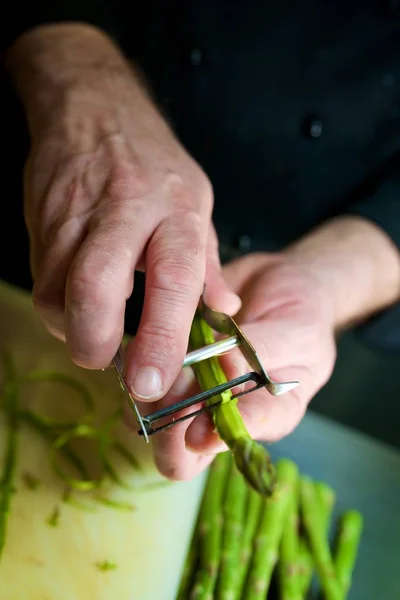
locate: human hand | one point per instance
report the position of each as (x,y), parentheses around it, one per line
(290,321)
(108,189)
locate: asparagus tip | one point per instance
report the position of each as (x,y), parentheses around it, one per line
(254,462)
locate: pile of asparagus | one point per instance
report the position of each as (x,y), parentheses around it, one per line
(262,531)
(248,547)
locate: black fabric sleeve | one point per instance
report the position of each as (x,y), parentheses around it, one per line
(100,13)
(383,208)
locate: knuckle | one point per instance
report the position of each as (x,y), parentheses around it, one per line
(113,239)
(158,341)
(159,335)
(203,184)
(127,180)
(88,287)
(206,189)
(178,254)
(177,275)
(192,192)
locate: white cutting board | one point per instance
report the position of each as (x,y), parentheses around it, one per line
(41,562)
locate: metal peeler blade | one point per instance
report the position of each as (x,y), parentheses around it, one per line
(220,323)
(118,362)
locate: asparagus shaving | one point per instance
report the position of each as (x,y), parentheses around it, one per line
(233,521)
(124,452)
(66,380)
(30,481)
(69,498)
(36,422)
(152,486)
(210,529)
(348,540)
(105,443)
(106,565)
(252,459)
(54,518)
(269,534)
(80,431)
(115,503)
(315,528)
(53,434)
(10,403)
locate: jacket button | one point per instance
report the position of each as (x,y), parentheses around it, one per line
(312,127)
(244,243)
(195,57)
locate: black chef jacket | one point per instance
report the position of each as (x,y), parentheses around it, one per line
(292,108)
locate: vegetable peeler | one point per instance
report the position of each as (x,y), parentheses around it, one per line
(235,338)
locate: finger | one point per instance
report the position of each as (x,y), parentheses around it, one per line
(171,457)
(51,265)
(217,293)
(175,271)
(99,282)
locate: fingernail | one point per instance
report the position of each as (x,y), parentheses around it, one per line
(147,384)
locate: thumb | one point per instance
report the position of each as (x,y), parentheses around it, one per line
(217,294)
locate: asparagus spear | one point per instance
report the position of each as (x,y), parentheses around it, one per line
(315,527)
(251,458)
(234,516)
(350,530)
(210,529)
(268,537)
(189,568)
(253,513)
(327,498)
(289,564)
(305,565)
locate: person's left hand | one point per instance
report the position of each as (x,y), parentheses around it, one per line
(289,320)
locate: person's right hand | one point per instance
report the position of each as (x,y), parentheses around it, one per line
(108,189)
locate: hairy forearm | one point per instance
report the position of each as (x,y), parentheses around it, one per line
(56,67)
(357,265)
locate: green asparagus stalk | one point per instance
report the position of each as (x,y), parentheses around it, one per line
(234,518)
(316,532)
(327,498)
(251,458)
(10,403)
(305,565)
(348,539)
(289,567)
(269,534)
(254,507)
(189,568)
(210,529)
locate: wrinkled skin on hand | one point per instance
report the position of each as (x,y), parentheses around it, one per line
(108,193)
(288,319)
